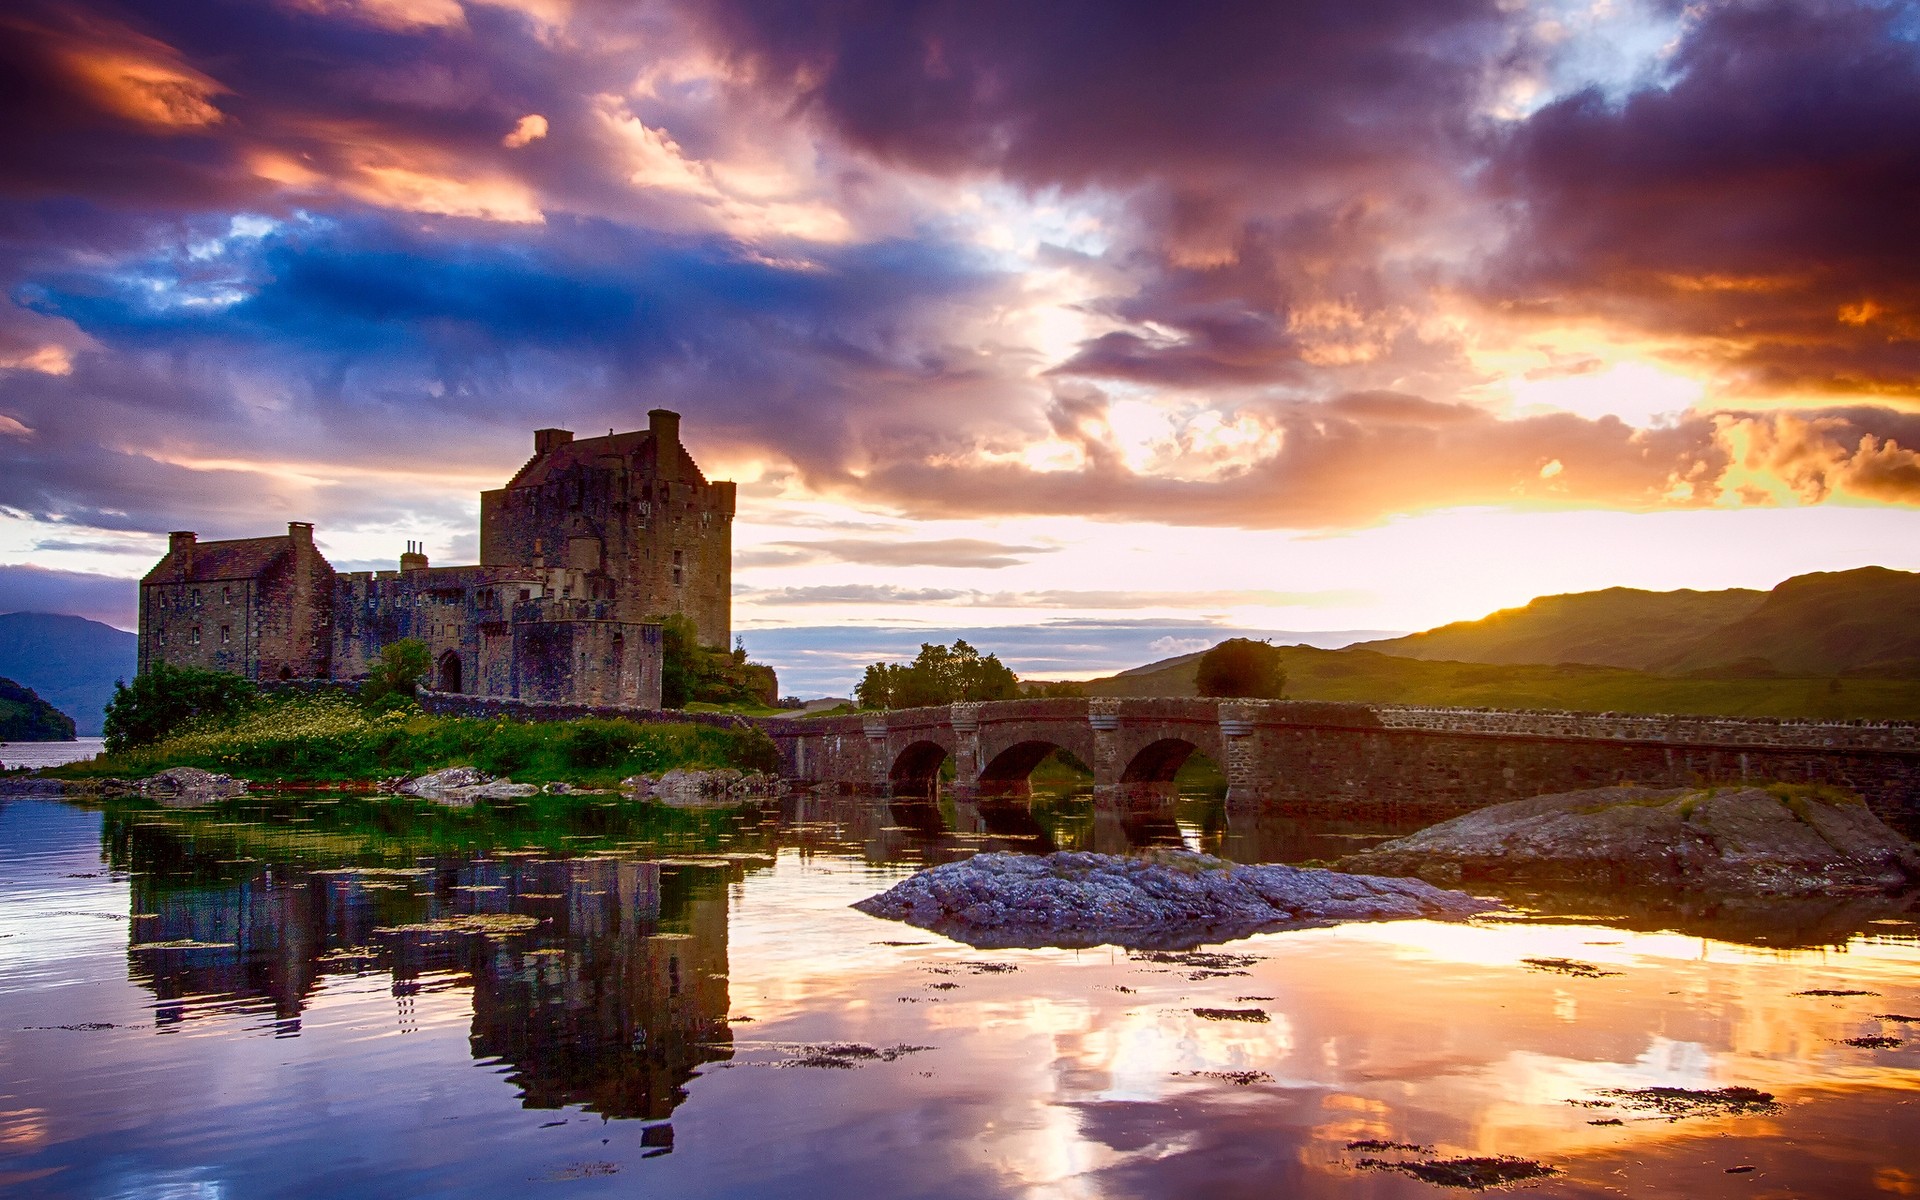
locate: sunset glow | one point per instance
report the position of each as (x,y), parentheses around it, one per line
(1293,328)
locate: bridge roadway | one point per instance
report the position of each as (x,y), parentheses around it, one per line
(1283,755)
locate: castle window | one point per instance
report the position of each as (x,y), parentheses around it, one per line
(679,567)
(163,637)
(194,637)
(196,598)
(525,594)
(226,634)
(226,595)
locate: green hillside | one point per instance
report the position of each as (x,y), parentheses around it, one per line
(1366,675)
(25,717)
(1617,627)
(1863,622)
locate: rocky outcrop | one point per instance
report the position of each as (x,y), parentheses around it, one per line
(1781,841)
(463,785)
(177,786)
(695,788)
(1169,900)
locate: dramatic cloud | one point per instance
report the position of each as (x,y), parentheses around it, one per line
(1768,198)
(1310,267)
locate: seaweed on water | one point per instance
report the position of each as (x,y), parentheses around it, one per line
(1675,1103)
(1238,1078)
(1835,992)
(1255,1016)
(1568,966)
(1375,1146)
(845,1056)
(1874,1042)
(1476,1174)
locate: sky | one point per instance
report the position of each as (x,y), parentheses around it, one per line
(1109,326)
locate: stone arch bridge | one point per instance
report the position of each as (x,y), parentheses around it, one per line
(1283,754)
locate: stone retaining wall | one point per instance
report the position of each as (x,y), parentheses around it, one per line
(487,708)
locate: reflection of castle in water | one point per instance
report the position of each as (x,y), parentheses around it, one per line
(611,1001)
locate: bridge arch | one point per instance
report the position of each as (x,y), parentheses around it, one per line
(1159,761)
(916,769)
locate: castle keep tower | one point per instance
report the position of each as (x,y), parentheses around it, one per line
(581,554)
(632,512)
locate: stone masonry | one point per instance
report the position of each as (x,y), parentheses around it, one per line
(1300,755)
(584,550)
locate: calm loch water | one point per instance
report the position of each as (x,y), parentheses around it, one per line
(330,996)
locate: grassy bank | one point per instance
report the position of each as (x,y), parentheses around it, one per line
(1384,679)
(332,739)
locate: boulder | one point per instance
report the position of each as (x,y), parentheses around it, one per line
(1779,841)
(1167,900)
(696,788)
(191,785)
(464,785)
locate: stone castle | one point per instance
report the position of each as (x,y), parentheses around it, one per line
(581,553)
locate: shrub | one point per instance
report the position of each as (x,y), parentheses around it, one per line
(164,700)
(396,674)
(595,744)
(1241,668)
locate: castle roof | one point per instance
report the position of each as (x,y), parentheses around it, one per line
(638,448)
(200,562)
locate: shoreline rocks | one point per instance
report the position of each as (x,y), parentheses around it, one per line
(463,785)
(1783,841)
(1166,901)
(698,788)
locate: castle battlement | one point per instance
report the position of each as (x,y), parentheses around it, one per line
(582,552)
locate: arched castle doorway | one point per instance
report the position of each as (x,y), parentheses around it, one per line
(449,680)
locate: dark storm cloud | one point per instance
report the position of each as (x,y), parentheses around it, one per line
(1769,196)
(1120,92)
(1269,155)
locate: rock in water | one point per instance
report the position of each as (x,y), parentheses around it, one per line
(190,785)
(1779,841)
(1166,901)
(464,785)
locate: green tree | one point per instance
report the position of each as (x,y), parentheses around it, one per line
(1242,668)
(163,700)
(937,675)
(396,673)
(709,674)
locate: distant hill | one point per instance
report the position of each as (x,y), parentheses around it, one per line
(25,717)
(1863,622)
(1366,675)
(1617,627)
(70,661)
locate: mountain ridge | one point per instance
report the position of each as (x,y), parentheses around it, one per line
(72,662)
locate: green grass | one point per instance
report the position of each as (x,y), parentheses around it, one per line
(327,739)
(1370,677)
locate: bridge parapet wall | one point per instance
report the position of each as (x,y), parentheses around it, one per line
(1757,732)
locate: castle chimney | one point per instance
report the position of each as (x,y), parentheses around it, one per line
(664,425)
(181,539)
(415,558)
(546,441)
(301,532)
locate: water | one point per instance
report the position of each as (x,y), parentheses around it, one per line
(272,998)
(48,754)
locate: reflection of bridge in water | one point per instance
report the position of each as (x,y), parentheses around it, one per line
(610,998)
(1312,755)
